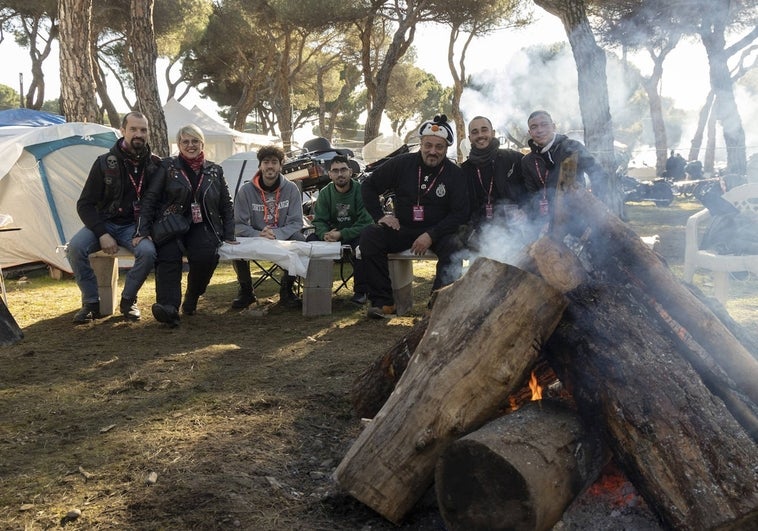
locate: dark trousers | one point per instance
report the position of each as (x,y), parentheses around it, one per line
(359,270)
(200,245)
(377,241)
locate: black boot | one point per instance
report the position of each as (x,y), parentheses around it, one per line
(287,296)
(189,306)
(245,296)
(165,313)
(89,312)
(129,308)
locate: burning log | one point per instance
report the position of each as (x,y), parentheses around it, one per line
(520,471)
(461,374)
(374,385)
(688,457)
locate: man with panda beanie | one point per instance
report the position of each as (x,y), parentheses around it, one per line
(430,204)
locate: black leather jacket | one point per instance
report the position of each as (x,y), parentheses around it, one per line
(173,193)
(108,193)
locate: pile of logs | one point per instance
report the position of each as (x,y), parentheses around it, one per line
(659,378)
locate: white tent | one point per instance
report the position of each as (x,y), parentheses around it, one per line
(221,141)
(42,172)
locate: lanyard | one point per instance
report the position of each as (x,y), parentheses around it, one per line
(492,180)
(137,186)
(266,213)
(199,182)
(419,195)
(541,178)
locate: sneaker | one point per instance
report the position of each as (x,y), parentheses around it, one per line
(129,309)
(376,312)
(359,299)
(164,313)
(89,312)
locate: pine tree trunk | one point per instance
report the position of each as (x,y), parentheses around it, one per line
(78,87)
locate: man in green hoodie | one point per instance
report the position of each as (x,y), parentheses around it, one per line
(339,216)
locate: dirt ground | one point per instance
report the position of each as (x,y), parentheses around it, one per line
(234,420)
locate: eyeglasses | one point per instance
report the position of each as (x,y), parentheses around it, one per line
(339,171)
(193,142)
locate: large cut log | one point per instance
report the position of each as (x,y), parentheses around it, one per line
(374,385)
(615,250)
(689,458)
(520,471)
(551,260)
(484,334)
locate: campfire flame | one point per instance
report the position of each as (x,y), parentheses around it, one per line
(535,387)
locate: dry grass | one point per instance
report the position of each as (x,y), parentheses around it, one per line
(242,416)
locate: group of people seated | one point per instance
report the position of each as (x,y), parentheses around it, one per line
(131,197)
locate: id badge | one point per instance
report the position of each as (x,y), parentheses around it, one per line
(137,207)
(418,212)
(543,207)
(197,214)
(488,211)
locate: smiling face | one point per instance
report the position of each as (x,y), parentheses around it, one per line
(541,129)
(433,150)
(270,168)
(189,146)
(135,132)
(480,133)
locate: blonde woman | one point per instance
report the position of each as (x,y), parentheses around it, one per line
(196,189)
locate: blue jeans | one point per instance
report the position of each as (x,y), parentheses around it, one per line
(85,242)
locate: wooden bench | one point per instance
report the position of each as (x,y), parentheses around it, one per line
(745,198)
(317,284)
(401,275)
(105,267)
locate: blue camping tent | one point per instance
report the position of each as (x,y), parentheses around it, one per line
(29,118)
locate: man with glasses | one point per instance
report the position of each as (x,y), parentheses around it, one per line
(339,216)
(109,206)
(431,203)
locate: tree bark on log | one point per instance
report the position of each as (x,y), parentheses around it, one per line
(618,252)
(462,371)
(374,385)
(520,471)
(688,457)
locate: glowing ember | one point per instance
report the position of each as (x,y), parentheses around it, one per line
(535,387)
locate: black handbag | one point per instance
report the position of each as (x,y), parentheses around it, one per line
(168,227)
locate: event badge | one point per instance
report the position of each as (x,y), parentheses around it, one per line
(543,207)
(418,212)
(488,211)
(137,207)
(197,214)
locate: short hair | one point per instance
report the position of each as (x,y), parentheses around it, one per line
(480,118)
(270,151)
(339,158)
(190,130)
(539,113)
(138,115)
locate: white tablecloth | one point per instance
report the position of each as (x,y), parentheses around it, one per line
(293,256)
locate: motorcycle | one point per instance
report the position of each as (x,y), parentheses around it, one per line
(659,191)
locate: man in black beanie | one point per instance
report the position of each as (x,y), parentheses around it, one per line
(430,202)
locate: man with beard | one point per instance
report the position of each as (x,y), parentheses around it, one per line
(496,186)
(109,206)
(339,216)
(430,202)
(269,206)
